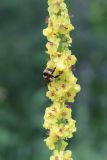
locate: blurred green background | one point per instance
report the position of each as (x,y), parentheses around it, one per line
(22,89)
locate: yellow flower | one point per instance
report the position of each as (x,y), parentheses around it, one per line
(62,62)
(64,89)
(56,114)
(70,128)
(58,121)
(51,115)
(51,141)
(64,130)
(62,155)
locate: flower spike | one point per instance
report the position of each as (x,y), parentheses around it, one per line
(62,84)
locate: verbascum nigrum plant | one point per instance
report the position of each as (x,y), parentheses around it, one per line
(62,84)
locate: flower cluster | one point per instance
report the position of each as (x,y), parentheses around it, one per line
(62,84)
(60,125)
(62,155)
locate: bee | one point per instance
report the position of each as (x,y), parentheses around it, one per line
(48,75)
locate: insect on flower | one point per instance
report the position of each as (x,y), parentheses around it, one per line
(60,79)
(48,75)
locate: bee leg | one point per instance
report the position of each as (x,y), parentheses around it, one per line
(53,70)
(56,76)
